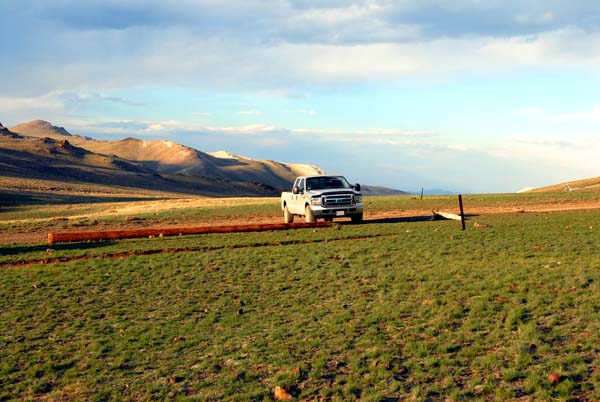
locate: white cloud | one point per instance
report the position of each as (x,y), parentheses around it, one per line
(166,127)
(309,112)
(592,115)
(575,156)
(250,112)
(246,129)
(376,132)
(38,105)
(557,143)
(54,104)
(280,93)
(156,128)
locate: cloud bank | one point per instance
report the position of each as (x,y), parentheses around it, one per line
(68,45)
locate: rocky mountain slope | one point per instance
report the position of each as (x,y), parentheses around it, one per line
(6,132)
(40,128)
(167,157)
(41,150)
(59,160)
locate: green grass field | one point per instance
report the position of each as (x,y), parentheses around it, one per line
(408,310)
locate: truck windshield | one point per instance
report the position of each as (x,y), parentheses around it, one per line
(325,182)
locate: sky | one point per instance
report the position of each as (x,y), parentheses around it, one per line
(469,96)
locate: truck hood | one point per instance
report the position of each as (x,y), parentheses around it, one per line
(336,191)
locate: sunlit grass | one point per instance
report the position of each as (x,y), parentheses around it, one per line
(408,310)
(206,211)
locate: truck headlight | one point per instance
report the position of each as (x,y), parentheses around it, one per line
(358,199)
(315,201)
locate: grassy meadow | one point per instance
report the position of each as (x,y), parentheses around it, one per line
(45,213)
(407,309)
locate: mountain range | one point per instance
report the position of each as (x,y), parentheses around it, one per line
(40,150)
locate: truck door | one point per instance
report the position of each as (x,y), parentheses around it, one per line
(297,206)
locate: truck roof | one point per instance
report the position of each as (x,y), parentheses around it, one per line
(320,175)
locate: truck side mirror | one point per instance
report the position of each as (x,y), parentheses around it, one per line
(295,190)
(357,187)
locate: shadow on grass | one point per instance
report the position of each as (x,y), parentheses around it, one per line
(11,200)
(426,218)
(16,250)
(406,219)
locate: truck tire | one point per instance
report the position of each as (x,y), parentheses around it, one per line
(287,217)
(357,218)
(308,215)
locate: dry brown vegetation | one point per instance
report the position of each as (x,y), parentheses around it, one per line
(592,184)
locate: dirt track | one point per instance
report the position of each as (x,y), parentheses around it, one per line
(39,237)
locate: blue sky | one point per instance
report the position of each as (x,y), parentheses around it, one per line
(464,95)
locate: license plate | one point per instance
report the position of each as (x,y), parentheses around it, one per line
(339,213)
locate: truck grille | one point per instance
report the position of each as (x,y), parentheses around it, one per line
(337,200)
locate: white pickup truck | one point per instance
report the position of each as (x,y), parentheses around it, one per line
(322,197)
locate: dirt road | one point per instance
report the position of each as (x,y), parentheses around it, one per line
(15,237)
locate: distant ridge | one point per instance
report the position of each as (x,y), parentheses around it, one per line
(60,161)
(168,158)
(591,184)
(40,128)
(377,190)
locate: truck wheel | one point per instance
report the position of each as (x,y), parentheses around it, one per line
(308,215)
(357,218)
(287,217)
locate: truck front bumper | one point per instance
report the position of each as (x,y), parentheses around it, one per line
(337,212)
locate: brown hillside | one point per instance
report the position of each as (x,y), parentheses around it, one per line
(40,128)
(38,154)
(59,160)
(161,155)
(167,157)
(592,184)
